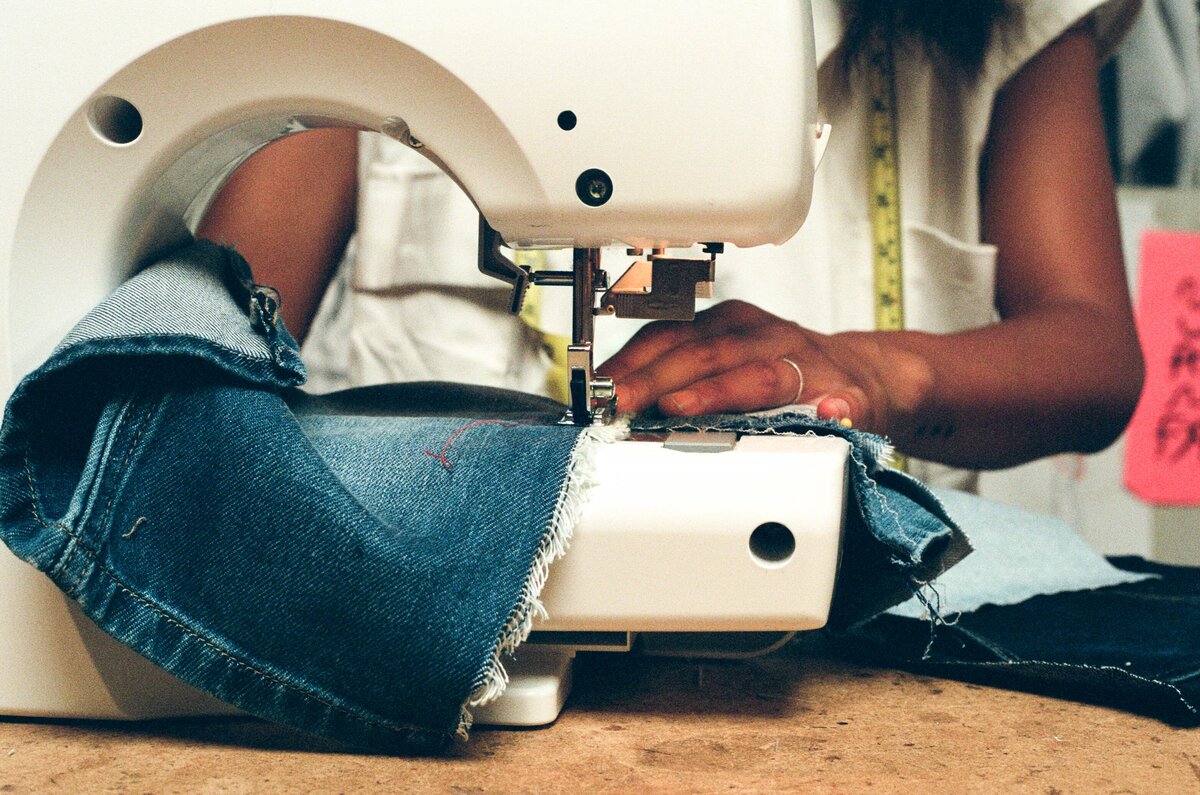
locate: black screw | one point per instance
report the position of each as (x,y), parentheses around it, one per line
(594,187)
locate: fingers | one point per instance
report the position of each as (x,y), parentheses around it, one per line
(848,406)
(748,387)
(697,360)
(649,343)
(654,340)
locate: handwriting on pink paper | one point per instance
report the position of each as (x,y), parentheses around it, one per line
(1162,452)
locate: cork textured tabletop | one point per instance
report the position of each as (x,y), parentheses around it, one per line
(796,720)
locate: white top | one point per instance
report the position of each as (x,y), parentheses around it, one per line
(409,303)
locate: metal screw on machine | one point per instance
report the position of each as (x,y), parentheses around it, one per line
(594,187)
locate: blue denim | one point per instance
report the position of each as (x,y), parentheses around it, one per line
(351,564)
(1134,646)
(321,571)
(898,535)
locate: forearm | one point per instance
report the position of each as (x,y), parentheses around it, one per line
(289,210)
(1062,378)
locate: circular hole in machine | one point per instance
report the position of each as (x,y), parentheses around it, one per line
(594,187)
(115,120)
(772,543)
(567,120)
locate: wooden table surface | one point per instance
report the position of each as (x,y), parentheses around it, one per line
(796,720)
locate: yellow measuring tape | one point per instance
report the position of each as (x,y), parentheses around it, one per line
(884,181)
(883,165)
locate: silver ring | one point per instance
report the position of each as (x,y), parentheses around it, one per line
(799,377)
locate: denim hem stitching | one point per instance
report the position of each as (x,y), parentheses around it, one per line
(79,543)
(170,619)
(116,475)
(1074,666)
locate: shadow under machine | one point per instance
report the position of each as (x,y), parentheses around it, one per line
(649,126)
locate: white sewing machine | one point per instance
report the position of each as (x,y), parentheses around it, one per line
(651,125)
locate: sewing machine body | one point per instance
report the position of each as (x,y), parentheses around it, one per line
(123,116)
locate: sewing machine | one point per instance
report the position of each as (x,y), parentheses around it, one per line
(649,125)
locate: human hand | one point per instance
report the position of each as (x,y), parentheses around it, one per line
(737,357)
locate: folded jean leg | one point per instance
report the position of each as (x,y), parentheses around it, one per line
(353,564)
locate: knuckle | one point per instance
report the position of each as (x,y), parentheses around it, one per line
(717,353)
(767,379)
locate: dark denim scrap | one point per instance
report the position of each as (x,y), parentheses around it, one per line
(1134,646)
(347,564)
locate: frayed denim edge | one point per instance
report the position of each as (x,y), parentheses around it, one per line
(572,497)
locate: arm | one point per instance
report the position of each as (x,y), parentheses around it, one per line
(1061,371)
(289,210)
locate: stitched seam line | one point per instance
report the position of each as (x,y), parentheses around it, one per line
(81,544)
(1072,667)
(116,475)
(246,357)
(33,500)
(226,654)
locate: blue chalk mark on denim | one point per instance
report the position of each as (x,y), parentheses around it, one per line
(309,559)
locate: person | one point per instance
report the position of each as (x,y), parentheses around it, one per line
(1019,339)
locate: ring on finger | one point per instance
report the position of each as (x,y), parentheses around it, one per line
(799,379)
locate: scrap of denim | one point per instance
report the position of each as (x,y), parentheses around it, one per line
(898,535)
(1035,609)
(353,576)
(354,564)
(1134,646)
(1017,555)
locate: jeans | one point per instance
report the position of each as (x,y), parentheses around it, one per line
(352,565)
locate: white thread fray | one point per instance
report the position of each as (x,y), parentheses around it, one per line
(572,497)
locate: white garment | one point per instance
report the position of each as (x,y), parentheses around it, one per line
(822,278)
(1158,85)
(408,302)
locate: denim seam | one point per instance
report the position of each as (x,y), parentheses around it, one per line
(77,542)
(258,360)
(116,474)
(1075,666)
(65,557)
(166,616)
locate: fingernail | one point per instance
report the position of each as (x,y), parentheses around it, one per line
(838,409)
(684,403)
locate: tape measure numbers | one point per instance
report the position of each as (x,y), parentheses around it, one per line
(884,184)
(883,166)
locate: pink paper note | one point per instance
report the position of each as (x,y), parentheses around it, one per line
(1162,452)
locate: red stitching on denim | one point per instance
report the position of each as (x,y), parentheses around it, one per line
(441,457)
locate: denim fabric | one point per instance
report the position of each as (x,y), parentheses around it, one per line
(348,564)
(1135,646)
(1034,608)
(319,570)
(898,535)
(1017,554)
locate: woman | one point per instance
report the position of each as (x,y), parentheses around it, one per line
(1008,210)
